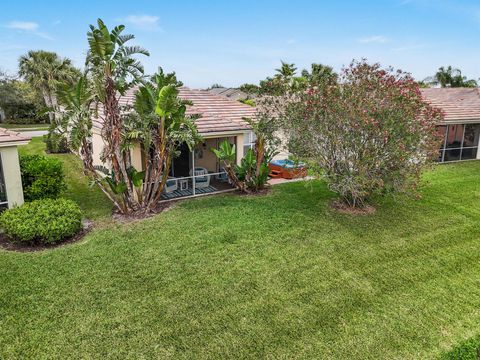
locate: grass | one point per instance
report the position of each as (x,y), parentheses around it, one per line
(91,200)
(276,276)
(24,126)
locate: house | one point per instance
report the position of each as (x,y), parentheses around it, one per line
(11,192)
(198,172)
(461,126)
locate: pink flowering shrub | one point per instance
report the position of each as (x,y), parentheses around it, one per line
(369,133)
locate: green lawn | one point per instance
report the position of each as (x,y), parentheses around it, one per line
(25,126)
(276,276)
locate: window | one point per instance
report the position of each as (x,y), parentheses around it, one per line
(460,142)
(249,141)
(3,190)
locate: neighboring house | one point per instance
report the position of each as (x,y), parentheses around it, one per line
(11,192)
(461,126)
(221,119)
(231,93)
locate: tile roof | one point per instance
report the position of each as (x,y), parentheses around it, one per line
(218,113)
(458,104)
(231,93)
(8,137)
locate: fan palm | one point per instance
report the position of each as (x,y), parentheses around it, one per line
(44,71)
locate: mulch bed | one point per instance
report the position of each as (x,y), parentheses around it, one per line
(343,208)
(7,244)
(162,207)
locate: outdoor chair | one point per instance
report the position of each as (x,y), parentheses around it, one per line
(203,179)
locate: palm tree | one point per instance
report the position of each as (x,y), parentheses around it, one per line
(286,71)
(452,77)
(319,73)
(44,71)
(114,70)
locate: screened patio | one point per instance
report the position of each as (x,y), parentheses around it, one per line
(198,172)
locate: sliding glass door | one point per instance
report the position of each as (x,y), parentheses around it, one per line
(460,142)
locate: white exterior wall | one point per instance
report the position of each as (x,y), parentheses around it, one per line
(12,176)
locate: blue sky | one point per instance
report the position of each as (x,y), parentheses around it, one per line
(231,43)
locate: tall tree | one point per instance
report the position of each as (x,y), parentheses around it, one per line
(114,70)
(452,77)
(319,73)
(369,133)
(44,71)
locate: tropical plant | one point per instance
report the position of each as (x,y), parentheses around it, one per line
(252,173)
(113,69)
(451,77)
(319,73)
(160,125)
(370,133)
(44,71)
(77,102)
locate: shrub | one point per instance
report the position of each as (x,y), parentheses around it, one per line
(369,133)
(42,177)
(46,221)
(56,143)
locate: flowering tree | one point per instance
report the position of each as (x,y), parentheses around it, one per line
(366,134)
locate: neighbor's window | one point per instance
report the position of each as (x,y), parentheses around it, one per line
(3,190)
(460,142)
(249,141)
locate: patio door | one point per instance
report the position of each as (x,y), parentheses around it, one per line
(183,163)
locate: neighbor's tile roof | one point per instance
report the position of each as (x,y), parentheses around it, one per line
(8,137)
(458,104)
(231,93)
(218,113)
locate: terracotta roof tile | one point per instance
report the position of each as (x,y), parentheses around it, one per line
(218,113)
(9,137)
(457,103)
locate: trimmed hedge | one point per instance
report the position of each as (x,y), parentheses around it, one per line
(46,221)
(42,177)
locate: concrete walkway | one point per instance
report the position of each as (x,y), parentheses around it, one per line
(33,133)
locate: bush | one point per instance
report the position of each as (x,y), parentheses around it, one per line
(42,177)
(56,143)
(46,221)
(369,133)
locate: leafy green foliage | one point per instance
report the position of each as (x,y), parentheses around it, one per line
(468,350)
(450,77)
(369,133)
(20,102)
(42,177)
(45,221)
(225,152)
(56,142)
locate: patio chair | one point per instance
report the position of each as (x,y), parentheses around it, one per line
(170,185)
(201,181)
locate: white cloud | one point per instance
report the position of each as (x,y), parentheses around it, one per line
(28,27)
(291,41)
(378,39)
(143,22)
(22,25)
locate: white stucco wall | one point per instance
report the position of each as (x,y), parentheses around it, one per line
(12,177)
